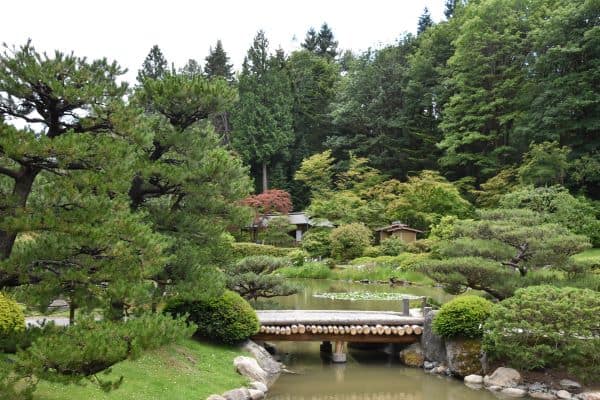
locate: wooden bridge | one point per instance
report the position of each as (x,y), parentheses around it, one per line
(339,327)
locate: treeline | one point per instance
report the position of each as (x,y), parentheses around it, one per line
(466,97)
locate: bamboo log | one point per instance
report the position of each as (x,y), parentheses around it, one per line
(294,329)
(301,329)
(373,330)
(319,329)
(394,330)
(353,330)
(379,329)
(359,330)
(417,330)
(387,330)
(277,330)
(366,330)
(408,329)
(330,329)
(262,329)
(336,330)
(288,330)
(347,329)
(401,331)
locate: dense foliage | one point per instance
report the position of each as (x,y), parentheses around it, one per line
(12,320)
(349,241)
(545,326)
(227,318)
(462,317)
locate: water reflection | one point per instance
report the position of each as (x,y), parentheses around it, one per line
(368,375)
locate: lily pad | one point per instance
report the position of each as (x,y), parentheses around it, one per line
(354,296)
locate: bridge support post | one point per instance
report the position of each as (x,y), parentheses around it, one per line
(326,347)
(339,353)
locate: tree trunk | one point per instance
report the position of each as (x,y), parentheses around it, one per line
(264,177)
(21,191)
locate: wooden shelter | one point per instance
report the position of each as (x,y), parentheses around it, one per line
(299,219)
(397,229)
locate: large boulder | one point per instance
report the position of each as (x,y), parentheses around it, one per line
(237,394)
(433,345)
(590,396)
(570,385)
(563,394)
(265,360)
(413,356)
(464,356)
(474,379)
(503,377)
(513,392)
(542,395)
(248,367)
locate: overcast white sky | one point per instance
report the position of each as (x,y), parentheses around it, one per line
(124,30)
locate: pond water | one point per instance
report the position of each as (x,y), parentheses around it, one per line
(305,299)
(368,374)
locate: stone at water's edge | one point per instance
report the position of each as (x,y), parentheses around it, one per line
(256,394)
(464,356)
(433,345)
(563,394)
(413,356)
(503,377)
(542,395)
(237,394)
(249,367)
(265,361)
(570,385)
(513,392)
(259,386)
(474,379)
(590,396)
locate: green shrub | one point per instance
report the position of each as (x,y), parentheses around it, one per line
(297,257)
(349,241)
(89,346)
(252,277)
(12,320)
(546,326)
(312,270)
(316,242)
(462,317)
(392,246)
(372,251)
(241,250)
(227,318)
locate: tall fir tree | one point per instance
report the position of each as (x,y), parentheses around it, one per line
(311,40)
(326,45)
(155,65)
(191,68)
(217,63)
(425,21)
(262,120)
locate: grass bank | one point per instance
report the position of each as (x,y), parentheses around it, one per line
(588,255)
(189,370)
(364,268)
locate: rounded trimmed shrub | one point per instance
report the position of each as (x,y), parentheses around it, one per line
(393,246)
(12,319)
(546,326)
(462,317)
(316,242)
(227,318)
(349,241)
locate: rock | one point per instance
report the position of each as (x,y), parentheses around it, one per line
(503,377)
(570,385)
(264,359)
(256,394)
(542,395)
(441,370)
(589,396)
(563,394)
(215,397)
(513,392)
(237,394)
(433,345)
(463,356)
(259,386)
(474,379)
(248,367)
(429,365)
(494,388)
(413,356)
(538,387)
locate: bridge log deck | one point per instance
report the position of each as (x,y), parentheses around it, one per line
(336,317)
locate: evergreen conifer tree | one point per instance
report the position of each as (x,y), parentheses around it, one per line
(155,65)
(425,21)
(217,63)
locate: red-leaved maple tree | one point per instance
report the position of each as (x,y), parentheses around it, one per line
(271,201)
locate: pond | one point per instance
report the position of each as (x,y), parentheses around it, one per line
(368,374)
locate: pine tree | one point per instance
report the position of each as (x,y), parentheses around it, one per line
(191,68)
(217,63)
(65,226)
(155,65)
(425,21)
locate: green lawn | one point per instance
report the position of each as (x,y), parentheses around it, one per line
(591,254)
(190,370)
